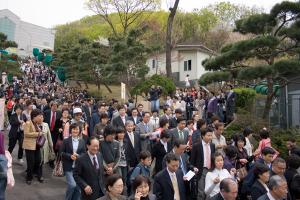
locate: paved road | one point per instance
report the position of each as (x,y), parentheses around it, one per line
(53,188)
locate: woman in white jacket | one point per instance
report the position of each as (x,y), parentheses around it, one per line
(216,175)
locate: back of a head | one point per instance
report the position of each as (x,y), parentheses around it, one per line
(225,184)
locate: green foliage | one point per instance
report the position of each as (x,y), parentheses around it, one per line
(245,97)
(256,24)
(165,83)
(255,72)
(4,43)
(10,68)
(287,67)
(284,8)
(217,76)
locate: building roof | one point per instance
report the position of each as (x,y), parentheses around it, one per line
(194,46)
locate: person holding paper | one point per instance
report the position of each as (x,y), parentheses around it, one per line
(216,175)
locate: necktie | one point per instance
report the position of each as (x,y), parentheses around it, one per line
(207,155)
(52,121)
(182,166)
(94,162)
(146,128)
(175,187)
(181,135)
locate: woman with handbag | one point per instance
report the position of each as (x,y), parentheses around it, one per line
(65,118)
(33,142)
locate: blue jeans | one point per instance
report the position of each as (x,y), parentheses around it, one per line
(155,105)
(73,191)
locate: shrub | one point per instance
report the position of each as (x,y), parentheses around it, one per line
(245,98)
(165,83)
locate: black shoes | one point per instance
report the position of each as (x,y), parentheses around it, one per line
(41,180)
(28,182)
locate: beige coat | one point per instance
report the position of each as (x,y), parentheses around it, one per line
(47,150)
(30,135)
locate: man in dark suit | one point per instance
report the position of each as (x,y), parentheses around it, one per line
(167,114)
(134,116)
(144,129)
(16,132)
(140,110)
(173,121)
(51,116)
(179,132)
(89,172)
(228,190)
(121,119)
(133,145)
(72,148)
(88,109)
(201,157)
(278,189)
(169,184)
(160,149)
(44,105)
(95,119)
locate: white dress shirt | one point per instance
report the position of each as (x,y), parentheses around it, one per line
(212,189)
(92,159)
(204,152)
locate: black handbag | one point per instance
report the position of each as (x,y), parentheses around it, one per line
(40,140)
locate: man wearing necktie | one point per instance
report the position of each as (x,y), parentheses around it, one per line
(180,132)
(144,130)
(168,183)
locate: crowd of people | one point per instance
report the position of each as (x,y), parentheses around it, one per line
(115,151)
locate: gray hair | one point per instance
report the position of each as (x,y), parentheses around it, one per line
(129,122)
(275,181)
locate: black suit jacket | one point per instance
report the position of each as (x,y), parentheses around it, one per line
(163,188)
(85,174)
(67,150)
(217,197)
(47,115)
(118,122)
(197,157)
(159,152)
(138,120)
(15,125)
(264,197)
(87,112)
(257,190)
(173,123)
(132,153)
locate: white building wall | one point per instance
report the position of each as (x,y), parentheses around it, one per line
(200,68)
(29,36)
(188,55)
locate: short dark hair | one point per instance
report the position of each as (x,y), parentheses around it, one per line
(132,109)
(89,140)
(121,107)
(163,122)
(35,113)
(293,161)
(180,119)
(214,118)
(264,134)
(119,130)
(166,108)
(18,106)
(239,137)
(73,126)
(292,139)
(230,151)
(144,155)
(268,150)
(247,131)
(139,180)
(178,111)
(203,131)
(260,169)
(109,130)
(103,116)
(200,123)
(140,105)
(172,157)
(278,160)
(178,142)
(112,179)
(164,134)
(146,112)
(154,111)
(189,122)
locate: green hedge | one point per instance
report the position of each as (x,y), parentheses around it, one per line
(245,98)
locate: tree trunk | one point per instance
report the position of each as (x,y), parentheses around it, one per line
(107,87)
(169,38)
(86,85)
(270,96)
(78,83)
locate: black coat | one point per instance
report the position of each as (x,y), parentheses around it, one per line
(15,125)
(67,150)
(264,197)
(132,154)
(172,123)
(118,122)
(86,175)
(257,190)
(217,197)
(159,152)
(138,120)
(293,181)
(47,117)
(163,188)
(197,157)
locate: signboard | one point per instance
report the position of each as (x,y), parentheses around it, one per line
(123,91)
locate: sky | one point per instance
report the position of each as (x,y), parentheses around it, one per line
(48,13)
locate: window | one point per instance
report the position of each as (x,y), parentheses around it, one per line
(187,65)
(153,64)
